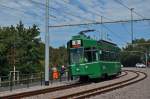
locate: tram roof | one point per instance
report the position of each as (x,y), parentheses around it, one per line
(107,42)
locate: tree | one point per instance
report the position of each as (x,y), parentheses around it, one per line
(20,46)
(135,53)
(58,56)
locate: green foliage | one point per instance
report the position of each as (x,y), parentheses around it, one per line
(135,53)
(58,56)
(20,46)
(130,59)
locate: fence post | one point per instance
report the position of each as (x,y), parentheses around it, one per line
(28,78)
(0,81)
(31,80)
(41,78)
(11,82)
(69,75)
(66,77)
(60,77)
(51,77)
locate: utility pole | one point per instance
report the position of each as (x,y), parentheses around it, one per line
(146,59)
(14,60)
(132,24)
(101,27)
(47,43)
(146,56)
(105,36)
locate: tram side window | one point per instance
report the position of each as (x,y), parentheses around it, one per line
(113,56)
(90,55)
(108,56)
(117,56)
(104,56)
(94,56)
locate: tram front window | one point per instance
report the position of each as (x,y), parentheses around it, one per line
(76,55)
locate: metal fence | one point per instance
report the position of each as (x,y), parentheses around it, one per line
(28,80)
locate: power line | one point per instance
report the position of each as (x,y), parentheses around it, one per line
(52,16)
(19,10)
(124,27)
(38,3)
(132,10)
(92,12)
(119,2)
(97,22)
(15,9)
(118,37)
(35,2)
(112,32)
(122,4)
(66,12)
(88,20)
(84,18)
(70,14)
(73,15)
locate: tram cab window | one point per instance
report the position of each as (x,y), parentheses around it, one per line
(76,55)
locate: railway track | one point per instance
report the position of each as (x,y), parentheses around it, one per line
(96,91)
(49,90)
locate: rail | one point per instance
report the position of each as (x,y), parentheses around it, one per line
(48,90)
(107,88)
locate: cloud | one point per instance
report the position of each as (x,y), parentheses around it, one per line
(71,12)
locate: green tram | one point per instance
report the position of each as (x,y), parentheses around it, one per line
(90,59)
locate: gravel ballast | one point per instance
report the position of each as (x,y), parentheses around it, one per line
(79,89)
(140,90)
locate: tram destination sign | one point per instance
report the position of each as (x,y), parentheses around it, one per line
(76,43)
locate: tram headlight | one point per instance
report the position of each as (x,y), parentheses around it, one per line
(86,67)
(77,69)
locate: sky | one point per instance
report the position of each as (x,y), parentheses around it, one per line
(77,12)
